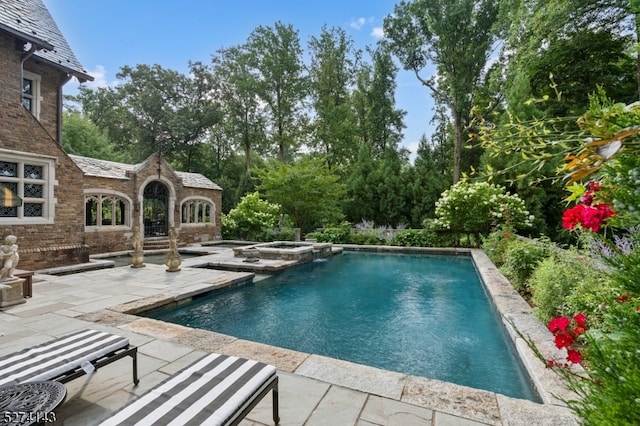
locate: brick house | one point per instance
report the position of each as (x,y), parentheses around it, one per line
(74,206)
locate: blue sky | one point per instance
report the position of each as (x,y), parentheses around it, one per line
(106,35)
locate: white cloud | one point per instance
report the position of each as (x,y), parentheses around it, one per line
(377,32)
(99,75)
(358,23)
(413,149)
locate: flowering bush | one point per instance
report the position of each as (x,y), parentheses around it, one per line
(588,214)
(565,336)
(477,207)
(251,218)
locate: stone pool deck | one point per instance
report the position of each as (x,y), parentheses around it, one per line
(314,390)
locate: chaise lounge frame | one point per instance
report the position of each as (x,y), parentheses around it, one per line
(62,359)
(214,390)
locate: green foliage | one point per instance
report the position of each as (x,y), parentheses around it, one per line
(80,136)
(307,191)
(337,235)
(557,278)
(610,394)
(624,189)
(521,258)
(496,244)
(455,36)
(415,238)
(251,218)
(475,208)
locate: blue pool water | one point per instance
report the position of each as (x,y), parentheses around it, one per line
(421,315)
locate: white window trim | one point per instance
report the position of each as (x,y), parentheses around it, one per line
(99,192)
(49,182)
(37,93)
(204,200)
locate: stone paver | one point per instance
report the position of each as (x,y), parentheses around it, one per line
(314,390)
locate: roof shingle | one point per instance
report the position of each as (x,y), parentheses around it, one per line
(31,21)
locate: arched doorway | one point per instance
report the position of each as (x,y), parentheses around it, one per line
(155,210)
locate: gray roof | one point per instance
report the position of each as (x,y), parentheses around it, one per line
(196,180)
(30,20)
(114,170)
(102,168)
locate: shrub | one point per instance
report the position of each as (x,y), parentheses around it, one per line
(520,259)
(497,242)
(251,218)
(415,238)
(475,208)
(337,235)
(556,278)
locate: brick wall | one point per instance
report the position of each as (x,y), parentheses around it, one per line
(42,245)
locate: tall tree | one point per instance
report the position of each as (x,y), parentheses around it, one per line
(332,71)
(236,89)
(384,122)
(154,109)
(456,37)
(276,55)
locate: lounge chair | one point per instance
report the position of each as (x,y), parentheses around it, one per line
(63,359)
(215,390)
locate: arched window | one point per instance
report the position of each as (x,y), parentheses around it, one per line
(105,210)
(197,211)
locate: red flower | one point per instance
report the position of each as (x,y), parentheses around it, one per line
(559,324)
(594,186)
(622,297)
(571,217)
(587,198)
(506,234)
(563,340)
(589,217)
(574,356)
(581,324)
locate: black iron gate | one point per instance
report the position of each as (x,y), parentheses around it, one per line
(155,210)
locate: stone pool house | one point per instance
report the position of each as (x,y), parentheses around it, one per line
(63,207)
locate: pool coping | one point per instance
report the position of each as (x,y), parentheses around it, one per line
(482,405)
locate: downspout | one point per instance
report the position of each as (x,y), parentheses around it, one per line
(63,81)
(26,55)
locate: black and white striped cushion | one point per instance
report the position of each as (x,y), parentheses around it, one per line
(50,359)
(211,391)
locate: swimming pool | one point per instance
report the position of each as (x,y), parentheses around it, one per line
(422,315)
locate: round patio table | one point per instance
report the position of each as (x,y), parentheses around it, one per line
(30,403)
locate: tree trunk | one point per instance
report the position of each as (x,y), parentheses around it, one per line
(457,147)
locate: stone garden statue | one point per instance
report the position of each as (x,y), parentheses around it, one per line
(8,257)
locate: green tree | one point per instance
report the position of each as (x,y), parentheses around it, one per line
(81,136)
(276,55)
(380,123)
(154,109)
(332,72)
(456,37)
(360,187)
(424,182)
(244,122)
(390,191)
(307,191)
(579,64)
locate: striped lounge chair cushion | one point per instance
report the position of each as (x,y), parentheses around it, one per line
(214,391)
(51,359)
